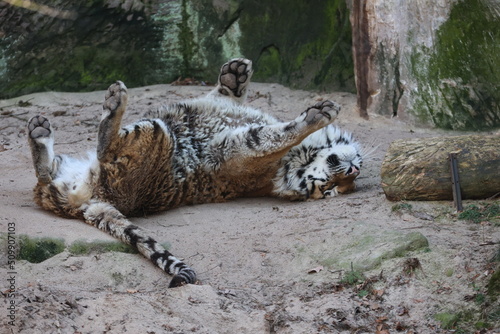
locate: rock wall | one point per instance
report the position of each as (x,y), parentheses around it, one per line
(85,45)
(71,46)
(434,61)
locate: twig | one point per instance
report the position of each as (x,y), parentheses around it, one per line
(489,243)
(336,271)
(212,268)
(17,116)
(494,196)
(69,143)
(18,103)
(90,122)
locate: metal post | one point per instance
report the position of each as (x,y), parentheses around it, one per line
(455,181)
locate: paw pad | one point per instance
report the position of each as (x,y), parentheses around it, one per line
(115,96)
(234,76)
(328,110)
(39,127)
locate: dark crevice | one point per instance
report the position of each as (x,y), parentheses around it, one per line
(236,17)
(398,89)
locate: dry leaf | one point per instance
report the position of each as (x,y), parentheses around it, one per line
(193,300)
(315,270)
(401,310)
(382,329)
(400,327)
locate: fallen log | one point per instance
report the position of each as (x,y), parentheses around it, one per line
(419,169)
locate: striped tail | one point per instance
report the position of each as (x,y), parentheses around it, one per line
(107,218)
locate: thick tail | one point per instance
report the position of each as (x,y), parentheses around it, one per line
(107,218)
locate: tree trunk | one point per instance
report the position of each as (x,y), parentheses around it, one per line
(419,169)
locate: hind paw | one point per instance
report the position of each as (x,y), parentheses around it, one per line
(39,127)
(116,98)
(234,77)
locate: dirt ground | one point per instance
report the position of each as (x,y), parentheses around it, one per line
(265,265)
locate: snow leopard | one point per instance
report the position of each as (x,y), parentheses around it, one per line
(203,150)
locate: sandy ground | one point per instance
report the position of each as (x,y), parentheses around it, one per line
(253,256)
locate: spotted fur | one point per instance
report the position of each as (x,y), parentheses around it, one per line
(210,149)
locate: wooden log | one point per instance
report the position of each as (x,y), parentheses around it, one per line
(419,169)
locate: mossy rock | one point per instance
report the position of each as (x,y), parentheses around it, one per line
(144,43)
(368,250)
(459,78)
(96,46)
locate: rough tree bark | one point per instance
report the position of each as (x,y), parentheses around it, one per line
(419,169)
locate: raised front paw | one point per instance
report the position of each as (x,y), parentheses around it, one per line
(116,98)
(39,127)
(323,112)
(234,77)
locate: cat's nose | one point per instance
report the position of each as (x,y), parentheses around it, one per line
(352,170)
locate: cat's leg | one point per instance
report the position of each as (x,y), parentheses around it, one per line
(107,218)
(276,140)
(41,141)
(114,106)
(63,182)
(233,80)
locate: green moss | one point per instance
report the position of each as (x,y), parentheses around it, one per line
(352,277)
(458,80)
(36,250)
(481,212)
(81,247)
(493,288)
(363,293)
(482,325)
(447,320)
(269,65)
(401,207)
